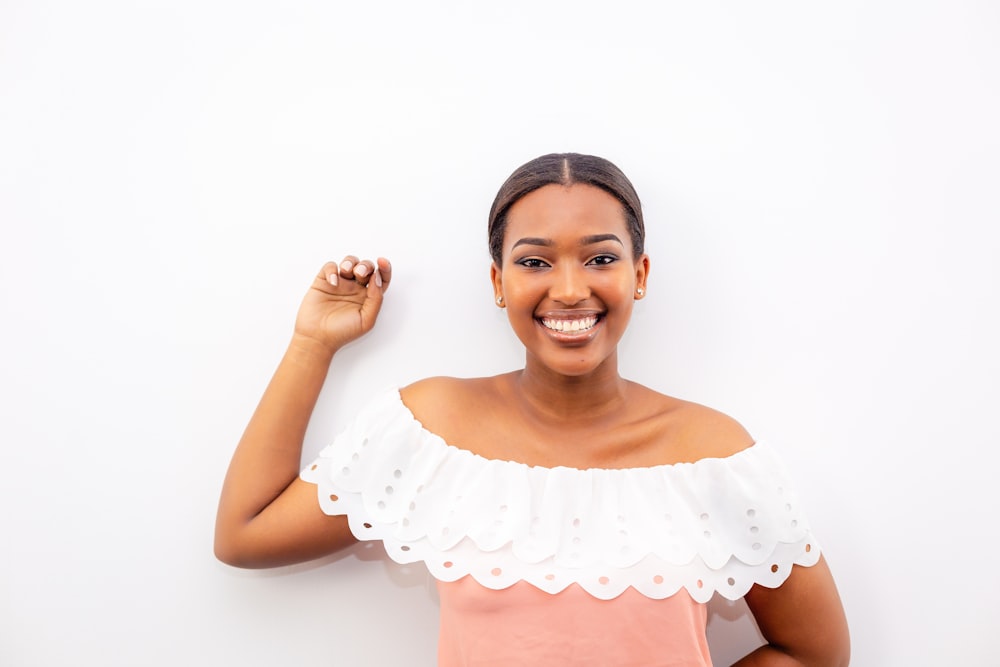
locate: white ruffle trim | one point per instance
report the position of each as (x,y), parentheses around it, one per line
(716,525)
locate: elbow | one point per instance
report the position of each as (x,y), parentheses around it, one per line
(227,553)
(236,542)
(232,551)
(244,549)
(235,557)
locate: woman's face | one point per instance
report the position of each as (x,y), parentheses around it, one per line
(568,278)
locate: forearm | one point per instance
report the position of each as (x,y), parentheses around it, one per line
(268,456)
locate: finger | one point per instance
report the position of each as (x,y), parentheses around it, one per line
(363,271)
(329,273)
(384,269)
(372,303)
(347,266)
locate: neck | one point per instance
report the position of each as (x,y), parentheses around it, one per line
(554,397)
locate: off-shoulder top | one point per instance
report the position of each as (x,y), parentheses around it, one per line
(600,543)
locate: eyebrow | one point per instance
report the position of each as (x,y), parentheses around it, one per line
(598,238)
(585,241)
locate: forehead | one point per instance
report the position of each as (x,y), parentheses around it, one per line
(559,212)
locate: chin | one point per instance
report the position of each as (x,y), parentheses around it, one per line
(578,368)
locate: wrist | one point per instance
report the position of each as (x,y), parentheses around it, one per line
(310,351)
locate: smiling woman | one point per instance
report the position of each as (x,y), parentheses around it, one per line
(570,516)
(566,277)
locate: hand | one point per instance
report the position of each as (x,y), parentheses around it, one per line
(343,302)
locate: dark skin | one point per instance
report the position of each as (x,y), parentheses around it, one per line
(568,280)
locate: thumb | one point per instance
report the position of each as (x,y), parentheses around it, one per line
(374,294)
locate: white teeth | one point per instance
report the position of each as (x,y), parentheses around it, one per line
(570,326)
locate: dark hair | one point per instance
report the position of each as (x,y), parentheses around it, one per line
(566,169)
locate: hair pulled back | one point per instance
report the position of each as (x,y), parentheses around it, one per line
(566,169)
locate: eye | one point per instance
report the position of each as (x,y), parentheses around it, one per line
(531,263)
(603,260)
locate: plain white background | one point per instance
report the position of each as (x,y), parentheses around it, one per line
(820,187)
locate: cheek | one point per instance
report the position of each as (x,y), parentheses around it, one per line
(615,286)
(521,291)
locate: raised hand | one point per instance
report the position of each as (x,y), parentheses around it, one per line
(343,302)
(266,516)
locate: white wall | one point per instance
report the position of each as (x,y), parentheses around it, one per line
(820,186)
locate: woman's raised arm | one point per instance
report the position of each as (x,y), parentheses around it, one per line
(267,516)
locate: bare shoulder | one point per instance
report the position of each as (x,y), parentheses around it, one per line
(718,433)
(433,392)
(448,405)
(432,389)
(694,431)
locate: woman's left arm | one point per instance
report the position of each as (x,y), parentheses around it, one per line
(802,621)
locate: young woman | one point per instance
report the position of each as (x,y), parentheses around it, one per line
(570,517)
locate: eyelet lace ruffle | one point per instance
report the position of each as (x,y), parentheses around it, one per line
(716,525)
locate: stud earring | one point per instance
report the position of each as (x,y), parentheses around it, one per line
(500,301)
(640,291)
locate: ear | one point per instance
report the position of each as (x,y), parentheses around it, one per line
(496,277)
(641,275)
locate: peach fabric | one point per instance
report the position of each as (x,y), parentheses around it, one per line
(524,626)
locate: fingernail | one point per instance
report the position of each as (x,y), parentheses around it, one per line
(362,270)
(378,278)
(332,279)
(346,265)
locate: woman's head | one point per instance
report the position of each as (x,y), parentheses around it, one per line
(566,169)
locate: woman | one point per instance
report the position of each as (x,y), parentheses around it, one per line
(570,516)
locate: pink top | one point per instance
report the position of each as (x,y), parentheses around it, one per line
(525,626)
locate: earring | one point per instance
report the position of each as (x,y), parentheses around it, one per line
(640,291)
(500,301)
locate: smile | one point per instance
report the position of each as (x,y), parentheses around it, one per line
(570,325)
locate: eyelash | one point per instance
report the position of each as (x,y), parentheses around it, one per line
(604,259)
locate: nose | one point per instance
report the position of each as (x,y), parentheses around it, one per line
(569,285)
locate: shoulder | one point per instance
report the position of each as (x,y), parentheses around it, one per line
(429,389)
(433,391)
(716,433)
(449,401)
(691,431)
